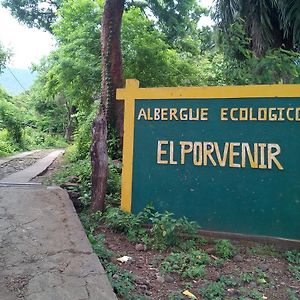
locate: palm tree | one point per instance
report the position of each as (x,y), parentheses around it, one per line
(270,24)
(289,11)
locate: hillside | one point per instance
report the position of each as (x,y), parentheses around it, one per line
(11,84)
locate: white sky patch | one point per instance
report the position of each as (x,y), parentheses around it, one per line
(206,21)
(28,45)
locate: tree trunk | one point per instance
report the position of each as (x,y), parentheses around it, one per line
(110,110)
(70,127)
(112,69)
(99,162)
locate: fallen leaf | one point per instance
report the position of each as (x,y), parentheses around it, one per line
(261,281)
(189,294)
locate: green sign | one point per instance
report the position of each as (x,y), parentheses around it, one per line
(226,157)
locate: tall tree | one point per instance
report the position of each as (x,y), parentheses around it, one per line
(112,78)
(263,22)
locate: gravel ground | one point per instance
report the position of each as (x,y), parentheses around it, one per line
(20,164)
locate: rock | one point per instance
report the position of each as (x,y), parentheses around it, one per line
(253,284)
(144,287)
(264,267)
(115,277)
(69,185)
(140,247)
(233,292)
(113,260)
(139,280)
(117,163)
(210,251)
(168,278)
(238,258)
(73,179)
(74,196)
(160,279)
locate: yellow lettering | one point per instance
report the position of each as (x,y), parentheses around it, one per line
(251,118)
(272,156)
(164,114)
(172,161)
(183,114)
(288,113)
(142,113)
(224,112)
(186,147)
(149,118)
(262,147)
(232,111)
(221,160)
(208,149)
(173,114)
(272,115)
(197,154)
(233,154)
(297,114)
(280,117)
(204,114)
(161,152)
(253,159)
(156,114)
(262,114)
(243,114)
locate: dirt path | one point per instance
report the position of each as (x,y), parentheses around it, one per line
(44,252)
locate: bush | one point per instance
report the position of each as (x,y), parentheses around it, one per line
(34,139)
(7,145)
(168,231)
(224,249)
(10,118)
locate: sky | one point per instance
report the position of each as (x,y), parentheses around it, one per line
(29,45)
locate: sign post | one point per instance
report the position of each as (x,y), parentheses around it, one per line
(226,157)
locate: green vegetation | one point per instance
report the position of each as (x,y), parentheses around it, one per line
(166,231)
(292,256)
(187,264)
(224,249)
(213,291)
(264,250)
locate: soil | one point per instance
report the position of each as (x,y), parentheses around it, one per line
(20,164)
(145,266)
(46,177)
(279,283)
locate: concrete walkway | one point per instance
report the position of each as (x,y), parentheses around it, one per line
(44,252)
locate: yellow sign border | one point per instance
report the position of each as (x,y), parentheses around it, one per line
(133,92)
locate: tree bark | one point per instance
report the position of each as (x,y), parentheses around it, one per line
(99,159)
(110,111)
(112,69)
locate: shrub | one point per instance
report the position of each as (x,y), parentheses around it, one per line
(224,249)
(167,231)
(7,145)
